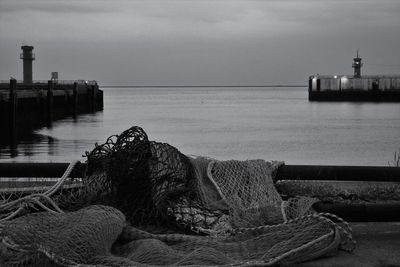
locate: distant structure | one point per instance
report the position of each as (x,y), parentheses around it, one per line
(54,76)
(27,56)
(354,88)
(30,104)
(357,66)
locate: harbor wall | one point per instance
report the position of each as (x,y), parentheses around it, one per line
(343,82)
(26,107)
(378,88)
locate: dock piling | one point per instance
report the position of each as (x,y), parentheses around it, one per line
(49,102)
(25,107)
(13,112)
(75,99)
(94,100)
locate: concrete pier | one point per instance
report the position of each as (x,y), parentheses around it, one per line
(25,107)
(357,88)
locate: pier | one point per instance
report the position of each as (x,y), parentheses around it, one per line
(356,87)
(368,88)
(30,104)
(25,107)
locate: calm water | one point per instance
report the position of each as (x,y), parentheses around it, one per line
(229,123)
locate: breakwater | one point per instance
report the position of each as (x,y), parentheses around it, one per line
(25,107)
(367,88)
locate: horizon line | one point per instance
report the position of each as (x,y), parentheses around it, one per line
(199,86)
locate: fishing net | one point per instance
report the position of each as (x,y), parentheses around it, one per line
(67,239)
(152,183)
(165,208)
(98,236)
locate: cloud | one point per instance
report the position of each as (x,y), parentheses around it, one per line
(218,19)
(54,7)
(124,20)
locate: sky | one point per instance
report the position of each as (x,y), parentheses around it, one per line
(199,42)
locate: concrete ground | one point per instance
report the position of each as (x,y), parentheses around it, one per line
(378,245)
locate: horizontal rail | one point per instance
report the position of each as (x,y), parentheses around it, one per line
(367,212)
(40,170)
(372,212)
(37,188)
(286,172)
(339,173)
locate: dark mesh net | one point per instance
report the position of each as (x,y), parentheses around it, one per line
(152,183)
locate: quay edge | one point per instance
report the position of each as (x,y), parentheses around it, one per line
(354,96)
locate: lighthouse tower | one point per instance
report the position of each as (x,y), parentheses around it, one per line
(357,66)
(27,56)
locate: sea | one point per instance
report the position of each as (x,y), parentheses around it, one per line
(271,123)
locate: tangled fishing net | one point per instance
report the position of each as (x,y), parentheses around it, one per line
(145,203)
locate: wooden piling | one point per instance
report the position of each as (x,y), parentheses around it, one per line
(49,103)
(88,98)
(13,108)
(91,98)
(75,100)
(94,100)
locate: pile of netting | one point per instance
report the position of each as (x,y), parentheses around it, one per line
(145,203)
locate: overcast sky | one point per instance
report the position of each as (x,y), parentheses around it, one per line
(199,42)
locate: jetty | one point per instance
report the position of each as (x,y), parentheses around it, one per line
(356,87)
(29,104)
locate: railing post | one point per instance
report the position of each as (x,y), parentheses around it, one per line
(13,113)
(49,102)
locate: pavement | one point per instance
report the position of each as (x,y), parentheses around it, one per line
(378,245)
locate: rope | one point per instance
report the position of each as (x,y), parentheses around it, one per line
(293,251)
(62,179)
(283,206)
(24,202)
(321,216)
(347,232)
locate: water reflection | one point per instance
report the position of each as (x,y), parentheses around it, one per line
(228,123)
(28,146)
(64,140)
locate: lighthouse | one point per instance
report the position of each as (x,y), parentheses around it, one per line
(357,66)
(27,56)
